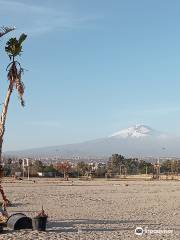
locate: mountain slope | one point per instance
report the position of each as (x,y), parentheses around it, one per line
(136,141)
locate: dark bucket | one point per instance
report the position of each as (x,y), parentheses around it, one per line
(19,221)
(39,223)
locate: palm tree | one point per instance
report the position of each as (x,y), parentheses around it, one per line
(13,49)
(3,31)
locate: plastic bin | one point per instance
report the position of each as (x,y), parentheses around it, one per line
(39,223)
(19,221)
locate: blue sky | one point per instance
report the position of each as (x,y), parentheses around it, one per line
(94,67)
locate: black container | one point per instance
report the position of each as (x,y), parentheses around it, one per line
(19,221)
(39,223)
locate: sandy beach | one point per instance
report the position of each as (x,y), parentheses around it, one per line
(97,209)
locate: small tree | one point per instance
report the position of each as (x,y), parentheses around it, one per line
(13,49)
(64,167)
(114,163)
(82,168)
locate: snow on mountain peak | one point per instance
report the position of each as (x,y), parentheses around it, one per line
(136,131)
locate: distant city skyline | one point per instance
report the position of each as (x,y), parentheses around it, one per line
(93,68)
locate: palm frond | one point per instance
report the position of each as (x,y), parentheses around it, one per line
(14,46)
(12,73)
(22,38)
(14,76)
(20,87)
(5,30)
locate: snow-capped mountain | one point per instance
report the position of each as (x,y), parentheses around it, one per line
(136,141)
(136,131)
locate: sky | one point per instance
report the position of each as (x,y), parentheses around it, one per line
(93,68)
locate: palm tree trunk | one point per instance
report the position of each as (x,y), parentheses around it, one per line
(2,131)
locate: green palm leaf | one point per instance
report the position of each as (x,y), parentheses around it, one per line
(14,46)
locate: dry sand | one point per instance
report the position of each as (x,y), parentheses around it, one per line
(97,209)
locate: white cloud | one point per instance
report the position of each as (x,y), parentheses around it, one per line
(35,19)
(44,123)
(152,110)
(162,110)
